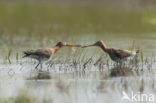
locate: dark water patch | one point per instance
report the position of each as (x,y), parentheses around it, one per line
(40,75)
(121,71)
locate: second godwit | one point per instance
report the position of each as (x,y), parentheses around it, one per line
(44,54)
(117,55)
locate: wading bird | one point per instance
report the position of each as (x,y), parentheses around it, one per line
(117,55)
(44,54)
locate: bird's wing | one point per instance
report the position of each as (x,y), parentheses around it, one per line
(122,53)
(29,52)
(39,52)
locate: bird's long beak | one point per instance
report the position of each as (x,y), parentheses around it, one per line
(88,45)
(73,45)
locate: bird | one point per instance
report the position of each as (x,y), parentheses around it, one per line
(116,54)
(44,54)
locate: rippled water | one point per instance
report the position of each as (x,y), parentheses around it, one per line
(30,25)
(71,85)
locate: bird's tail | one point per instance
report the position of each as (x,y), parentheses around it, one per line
(26,54)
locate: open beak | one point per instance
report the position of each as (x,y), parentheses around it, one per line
(73,45)
(88,45)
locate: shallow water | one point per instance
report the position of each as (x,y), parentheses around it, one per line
(73,85)
(128,28)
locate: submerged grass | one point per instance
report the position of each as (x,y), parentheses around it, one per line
(82,60)
(22,97)
(81,65)
(25,98)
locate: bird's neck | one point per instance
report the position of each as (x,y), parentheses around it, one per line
(55,49)
(104,47)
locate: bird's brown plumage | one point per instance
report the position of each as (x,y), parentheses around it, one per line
(114,53)
(44,54)
(39,53)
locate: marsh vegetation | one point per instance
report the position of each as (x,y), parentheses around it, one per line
(76,75)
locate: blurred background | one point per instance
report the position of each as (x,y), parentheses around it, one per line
(75,75)
(40,23)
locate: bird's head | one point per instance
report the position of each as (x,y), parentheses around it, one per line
(60,44)
(98,43)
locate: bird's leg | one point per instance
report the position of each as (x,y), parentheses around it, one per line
(41,66)
(37,65)
(120,64)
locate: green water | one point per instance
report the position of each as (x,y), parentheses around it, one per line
(71,18)
(26,25)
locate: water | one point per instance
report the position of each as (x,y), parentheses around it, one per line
(31,25)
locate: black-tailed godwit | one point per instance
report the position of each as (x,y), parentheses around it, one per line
(44,54)
(115,54)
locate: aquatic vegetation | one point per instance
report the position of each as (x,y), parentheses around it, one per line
(76,75)
(25,98)
(22,97)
